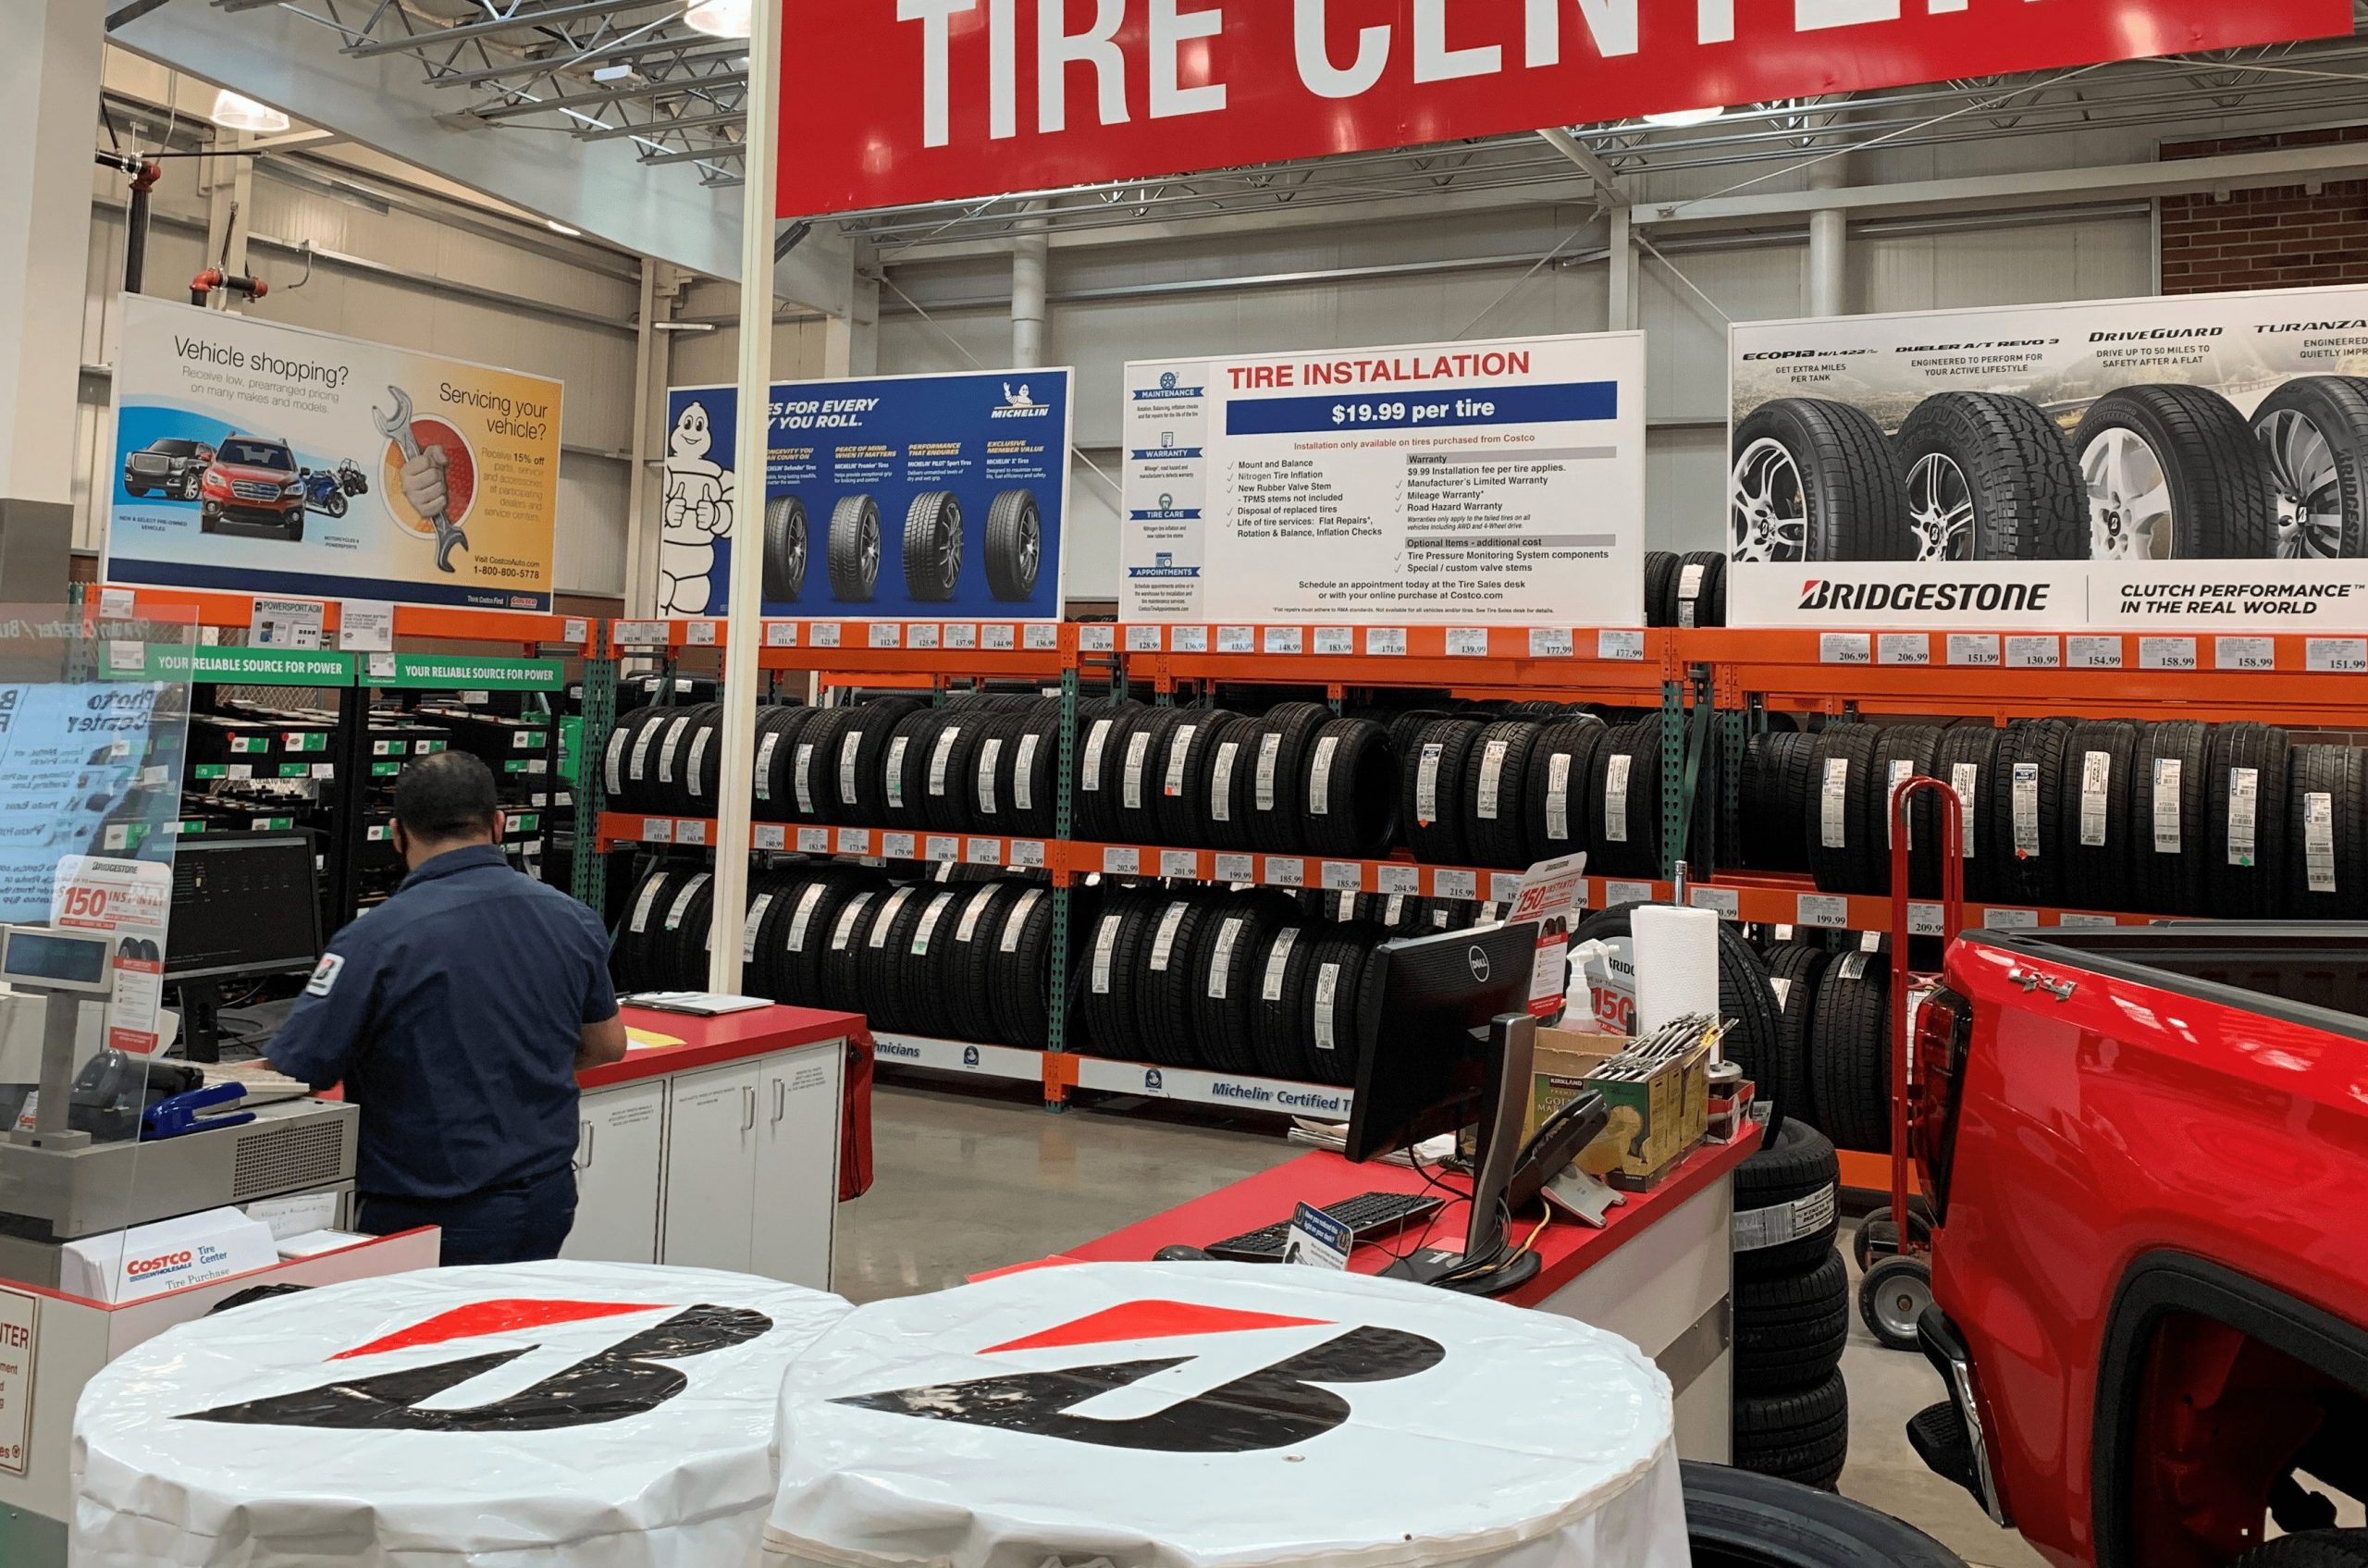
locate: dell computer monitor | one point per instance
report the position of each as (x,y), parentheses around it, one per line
(245,905)
(1432,1000)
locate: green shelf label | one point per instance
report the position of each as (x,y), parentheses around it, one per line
(444,672)
(205,772)
(385,769)
(295,770)
(244,666)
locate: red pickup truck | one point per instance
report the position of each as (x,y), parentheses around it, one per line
(2147,1150)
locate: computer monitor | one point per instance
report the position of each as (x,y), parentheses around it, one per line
(245,906)
(1449,1043)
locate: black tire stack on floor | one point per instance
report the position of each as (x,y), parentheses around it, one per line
(1791,1306)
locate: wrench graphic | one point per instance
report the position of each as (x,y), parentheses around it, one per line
(396,427)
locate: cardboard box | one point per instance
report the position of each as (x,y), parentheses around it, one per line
(1653,1123)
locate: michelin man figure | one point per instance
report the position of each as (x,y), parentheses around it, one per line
(698,513)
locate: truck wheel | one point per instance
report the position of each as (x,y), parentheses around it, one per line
(138,492)
(2172,474)
(1015,545)
(2314,1548)
(855,549)
(1989,478)
(1892,1296)
(2314,432)
(190,484)
(1734,1519)
(933,546)
(1815,481)
(784,550)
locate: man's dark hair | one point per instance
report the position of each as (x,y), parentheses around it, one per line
(450,795)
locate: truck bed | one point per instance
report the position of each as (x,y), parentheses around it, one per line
(2314,974)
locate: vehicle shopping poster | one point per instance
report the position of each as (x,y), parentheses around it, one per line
(1465,482)
(258,458)
(888,498)
(2192,463)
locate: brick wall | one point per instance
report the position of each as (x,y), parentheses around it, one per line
(2279,237)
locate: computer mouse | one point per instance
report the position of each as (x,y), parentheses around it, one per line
(1180,1253)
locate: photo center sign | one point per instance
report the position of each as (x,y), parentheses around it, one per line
(974,97)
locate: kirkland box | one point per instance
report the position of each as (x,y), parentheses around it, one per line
(1654,1123)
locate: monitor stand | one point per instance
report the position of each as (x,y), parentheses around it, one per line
(1504,1103)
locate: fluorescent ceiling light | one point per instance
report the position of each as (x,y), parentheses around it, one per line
(1679,119)
(556,226)
(719,19)
(233,112)
(612,73)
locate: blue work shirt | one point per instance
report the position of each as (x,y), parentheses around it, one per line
(452,1014)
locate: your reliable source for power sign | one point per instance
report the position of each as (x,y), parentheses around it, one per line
(970,97)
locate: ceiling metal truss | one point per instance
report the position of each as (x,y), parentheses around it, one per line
(614,69)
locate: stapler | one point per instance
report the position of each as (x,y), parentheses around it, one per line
(183,1113)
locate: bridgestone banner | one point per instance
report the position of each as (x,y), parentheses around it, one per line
(2197,463)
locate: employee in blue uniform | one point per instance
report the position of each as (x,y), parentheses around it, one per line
(457,1015)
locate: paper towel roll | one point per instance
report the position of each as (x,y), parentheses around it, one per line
(1677,964)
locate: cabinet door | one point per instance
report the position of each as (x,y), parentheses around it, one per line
(797,1164)
(620,1141)
(711,1168)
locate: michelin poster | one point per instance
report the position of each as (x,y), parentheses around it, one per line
(2192,464)
(890,497)
(258,458)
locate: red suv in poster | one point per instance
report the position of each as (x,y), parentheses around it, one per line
(252,486)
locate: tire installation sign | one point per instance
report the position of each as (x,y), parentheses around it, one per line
(2192,464)
(974,97)
(893,497)
(256,458)
(1470,482)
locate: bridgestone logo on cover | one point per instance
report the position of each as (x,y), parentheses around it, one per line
(1946,598)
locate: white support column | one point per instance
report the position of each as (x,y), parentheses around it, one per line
(1829,260)
(49,102)
(1032,257)
(1620,311)
(745,616)
(851,342)
(641,539)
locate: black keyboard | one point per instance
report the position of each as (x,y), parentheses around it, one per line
(1367,1215)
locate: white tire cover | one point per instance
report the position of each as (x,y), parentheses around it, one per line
(1222,1413)
(338,1456)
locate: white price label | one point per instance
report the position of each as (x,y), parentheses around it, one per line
(2096,783)
(781,634)
(1624,647)
(1283,639)
(1845,647)
(1189,639)
(961,637)
(2034,653)
(1833,805)
(2092,653)
(1904,648)
(698,634)
(986,852)
(921,637)
(1397,879)
(999,639)
(1464,885)
(1820,911)
(1467,642)
(2025,803)
(2244,653)
(1119,862)
(2338,656)
(1551,642)
(1975,650)
(1143,639)
(813,841)
(2086,922)
(658,830)
(2318,839)
(899,847)
(769,836)
(2244,814)
(824,634)
(1042,636)
(1384,642)
(1236,639)
(1028,852)
(2166,653)
(691,832)
(1336,639)
(1924,920)
(2169,839)
(854,840)
(944,850)
(1343,876)
(1724,901)
(1618,893)
(2010,920)
(1237,868)
(641,634)
(1101,637)
(886,634)
(1504,887)
(1178,863)
(1286,873)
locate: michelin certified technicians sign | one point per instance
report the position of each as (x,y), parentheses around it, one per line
(1457,482)
(2190,463)
(895,497)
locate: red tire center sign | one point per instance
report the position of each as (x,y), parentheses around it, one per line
(962,98)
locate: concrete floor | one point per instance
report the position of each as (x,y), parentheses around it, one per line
(965,1183)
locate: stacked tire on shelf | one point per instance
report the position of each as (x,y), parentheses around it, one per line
(1685,591)
(1791,1311)
(2232,821)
